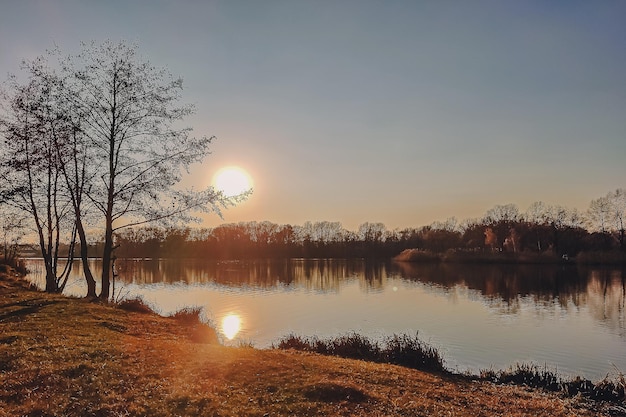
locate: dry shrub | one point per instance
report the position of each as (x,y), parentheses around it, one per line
(403,350)
(136,305)
(199,332)
(203,333)
(188,315)
(411,352)
(608,390)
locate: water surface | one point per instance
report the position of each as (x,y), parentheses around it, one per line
(479,316)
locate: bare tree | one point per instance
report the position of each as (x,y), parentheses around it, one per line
(127,113)
(98,142)
(372,232)
(617,200)
(506,213)
(537,213)
(30,126)
(599,214)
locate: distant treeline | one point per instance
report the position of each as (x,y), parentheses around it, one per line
(551,231)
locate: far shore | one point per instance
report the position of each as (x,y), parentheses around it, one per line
(612,258)
(488,257)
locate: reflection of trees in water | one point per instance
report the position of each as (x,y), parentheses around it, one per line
(606,295)
(326,275)
(508,282)
(507,287)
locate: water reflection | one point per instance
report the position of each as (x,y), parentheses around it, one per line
(320,275)
(504,288)
(231,325)
(480,315)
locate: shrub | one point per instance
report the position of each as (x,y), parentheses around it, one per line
(400,350)
(532,376)
(355,346)
(136,305)
(14,265)
(199,332)
(296,342)
(413,353)
(188,315)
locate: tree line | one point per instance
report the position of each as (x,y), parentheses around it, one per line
(541,229)
(95,140)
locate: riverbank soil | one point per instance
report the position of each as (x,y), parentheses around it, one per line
(72,357)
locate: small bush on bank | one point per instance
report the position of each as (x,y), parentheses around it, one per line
(188,315)
(355,346)
(199,332)
(412,352)
(532,376)
(297,342)
(404,350)
(136,305)
(15,265)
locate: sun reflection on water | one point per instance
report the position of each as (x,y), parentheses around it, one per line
(231,325)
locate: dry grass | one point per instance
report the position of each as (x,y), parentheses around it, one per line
(70,357)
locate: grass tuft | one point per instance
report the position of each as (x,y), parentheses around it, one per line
(532,376)
(136,305)
(199,332)
(188,315)
(403,350)
(355,346)
(411,352)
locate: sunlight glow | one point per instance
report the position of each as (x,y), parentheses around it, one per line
(232,181)
(231,324)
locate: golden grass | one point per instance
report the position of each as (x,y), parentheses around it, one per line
(71,357)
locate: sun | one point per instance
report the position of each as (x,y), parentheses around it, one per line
(232,181)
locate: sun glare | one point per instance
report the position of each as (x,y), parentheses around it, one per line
(232,181)
(231,324)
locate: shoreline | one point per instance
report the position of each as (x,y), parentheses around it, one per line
(609,259)
(57,345)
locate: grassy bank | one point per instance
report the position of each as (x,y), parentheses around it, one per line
(411,352)
(69,357)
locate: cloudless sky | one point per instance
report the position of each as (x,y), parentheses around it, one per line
(403,112)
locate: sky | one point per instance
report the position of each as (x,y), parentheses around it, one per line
(400,112)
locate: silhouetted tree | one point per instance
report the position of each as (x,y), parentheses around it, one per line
(127,109)
(32,127)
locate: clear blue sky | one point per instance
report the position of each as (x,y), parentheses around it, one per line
(403,112)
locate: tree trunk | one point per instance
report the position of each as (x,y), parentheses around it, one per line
(51,279)
(91,282)
(107,253)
